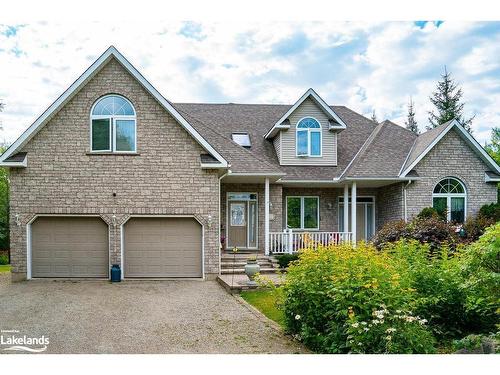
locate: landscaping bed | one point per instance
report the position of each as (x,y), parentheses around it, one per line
(405,297)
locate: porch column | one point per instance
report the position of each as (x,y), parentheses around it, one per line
(266,217)
(346,208)
(353,212)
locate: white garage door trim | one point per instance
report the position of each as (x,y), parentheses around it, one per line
(28,238)
(163,216)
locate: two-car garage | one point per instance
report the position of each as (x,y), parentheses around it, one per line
(79,247)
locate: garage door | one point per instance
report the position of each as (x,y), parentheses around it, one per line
(69,247)
(162,247)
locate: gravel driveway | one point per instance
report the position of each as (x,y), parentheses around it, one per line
(137,317)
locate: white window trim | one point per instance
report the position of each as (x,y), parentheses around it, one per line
(301,211)
(309,143)
(448,197)
(112,125)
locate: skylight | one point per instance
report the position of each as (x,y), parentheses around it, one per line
(243,139)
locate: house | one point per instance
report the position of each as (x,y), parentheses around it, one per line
(114,173)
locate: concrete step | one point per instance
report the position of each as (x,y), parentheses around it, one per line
(242,264)
(236,271)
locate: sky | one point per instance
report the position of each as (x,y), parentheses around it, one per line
(365,66)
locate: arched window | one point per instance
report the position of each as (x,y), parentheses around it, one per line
(308,137)
(113,125)
(449,199)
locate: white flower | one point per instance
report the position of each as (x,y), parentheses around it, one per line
(398,311)
(388,338)
(297,317)
(364,323)
(366,329)
(355,325)
(390,330)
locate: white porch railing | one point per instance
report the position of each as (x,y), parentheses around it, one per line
(289,241)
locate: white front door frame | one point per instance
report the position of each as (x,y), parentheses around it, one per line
(256,200)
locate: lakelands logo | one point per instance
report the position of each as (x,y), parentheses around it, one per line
(12,340)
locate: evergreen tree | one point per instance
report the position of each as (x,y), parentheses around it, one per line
(411,123)
(446,99)
(374,117)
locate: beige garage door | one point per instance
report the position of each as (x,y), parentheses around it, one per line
(69,247)
(162,247)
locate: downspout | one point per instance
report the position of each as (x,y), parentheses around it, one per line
(219,216)
(404,199)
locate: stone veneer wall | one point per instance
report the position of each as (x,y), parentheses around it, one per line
(390,204)
(164,178)
(451,157)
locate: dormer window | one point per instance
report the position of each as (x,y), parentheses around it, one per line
(113,125)
(242,138)
(308,137)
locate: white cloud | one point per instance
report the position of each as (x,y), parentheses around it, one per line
(362,65)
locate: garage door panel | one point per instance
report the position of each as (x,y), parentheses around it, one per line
(69,247)
(162,247)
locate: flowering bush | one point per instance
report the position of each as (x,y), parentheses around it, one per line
(389,332)
(328,284)
(332,294)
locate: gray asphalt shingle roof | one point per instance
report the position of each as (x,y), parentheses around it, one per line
(378,150)
(216,122)
(384,152)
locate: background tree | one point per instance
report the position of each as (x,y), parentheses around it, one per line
(446,99)
(411,122)
(374,117)
(493,148)
(4,202)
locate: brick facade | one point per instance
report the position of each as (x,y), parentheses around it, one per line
(164,178)
(390,204)
(451,157)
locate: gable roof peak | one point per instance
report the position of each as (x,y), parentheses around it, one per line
(426,141)
(310,93)
(77,85)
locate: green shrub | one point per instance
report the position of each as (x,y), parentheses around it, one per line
(490,211)
(437,281)
(427,213)
(389,332)
(285,259)
(327,285)
(478,344)
(481,272)
(4,259)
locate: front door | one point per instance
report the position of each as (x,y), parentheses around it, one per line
(365,217)
(242,221)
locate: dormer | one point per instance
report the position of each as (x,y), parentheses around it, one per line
(307,133)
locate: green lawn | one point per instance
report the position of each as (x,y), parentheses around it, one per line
(265,302)
(5,268)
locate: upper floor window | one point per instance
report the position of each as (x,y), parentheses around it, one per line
(308,137)
(113,125)
(448,198)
